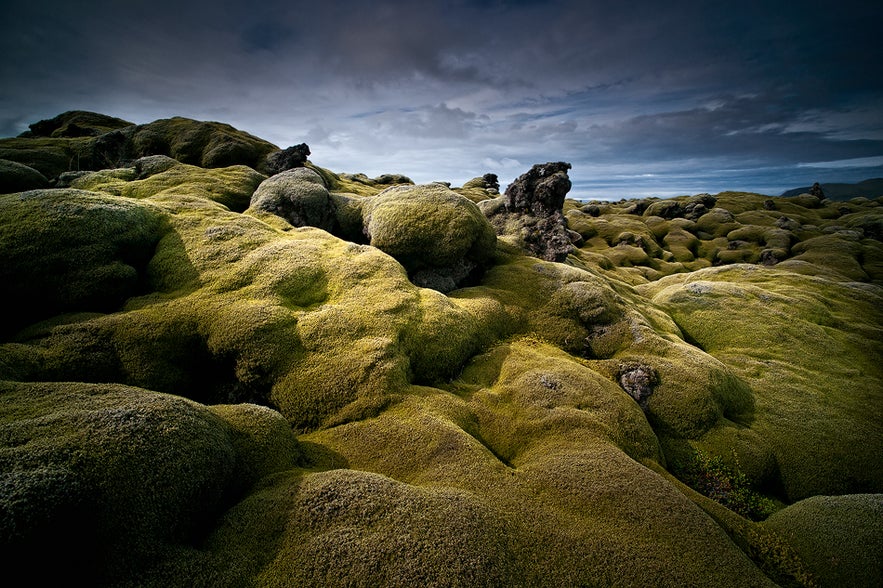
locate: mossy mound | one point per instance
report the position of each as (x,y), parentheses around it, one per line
(160,175)
(66,250)
(807,347)
(17,177)
(206,144)
(299,196)
(839,537)
(106,477)
(75,123)
(78,141)
(439,236)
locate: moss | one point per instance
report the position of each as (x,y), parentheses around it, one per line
(838,537)
(65,250)
(724,484)
(516,430)
(262,437)
(428,226)
(777,559)
(804,346)
(205,144)
(50,157)
(836,254)
(716,223)
(683,245)
(231,186)
(17,177)
(119,472)
(75,123)
(299,196)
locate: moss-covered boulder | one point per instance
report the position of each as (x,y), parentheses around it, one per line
(73,250)
(839,537)
(75,123)
(105,478)
(440,237)
(299,196)
(206,144)
(17,177)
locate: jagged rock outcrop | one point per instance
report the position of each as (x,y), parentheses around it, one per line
(531,211)
(289,158)
(540,191)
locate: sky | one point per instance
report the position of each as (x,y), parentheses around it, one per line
(643,98)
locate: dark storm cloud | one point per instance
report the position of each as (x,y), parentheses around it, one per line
(445,90)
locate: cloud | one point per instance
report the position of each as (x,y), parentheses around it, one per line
(845,163)
(450,90)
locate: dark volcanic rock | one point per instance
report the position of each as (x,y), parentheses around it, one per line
(532,208)
(491,182)
(285,159)
(817,191)
(541,190)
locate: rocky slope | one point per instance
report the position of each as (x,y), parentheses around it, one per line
(223,365)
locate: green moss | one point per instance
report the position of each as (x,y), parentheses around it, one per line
(230,186)
(836,254)
(50,157)
(17,177)
(499,434)
(119,473)
(806,347)
(205,144)
(262,437)
(838,537)
(66,250)
(428,225)
(777,559)
(717,222)
(712,477)
(299,196)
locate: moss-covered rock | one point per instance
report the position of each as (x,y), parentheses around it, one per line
(84,141)
(808,348)
(299,196)
(75,123)
(17,177)
(523,428)
(839,537)
(72,250)
(105,477)
(440,237)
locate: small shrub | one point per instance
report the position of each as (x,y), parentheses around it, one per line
(727,485)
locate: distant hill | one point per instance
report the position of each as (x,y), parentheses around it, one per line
(868,188)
